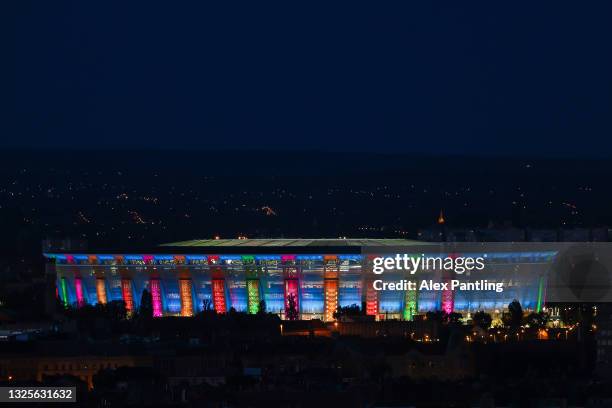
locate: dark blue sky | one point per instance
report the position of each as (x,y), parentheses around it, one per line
(486,78)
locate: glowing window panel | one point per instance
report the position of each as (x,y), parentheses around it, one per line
(101,290)
(331,298)
(253,295)
(156,298)
(411,304)
(291,291)
(218,288)
(78,290)
(186,297)
(126,291)
(287,258)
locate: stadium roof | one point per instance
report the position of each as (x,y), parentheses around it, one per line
(259,246)
(296,242)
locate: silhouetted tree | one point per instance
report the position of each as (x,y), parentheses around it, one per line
(291,313)
(537,320)
(454,318)
(262,307)
(439,316)
(569,314)
(347,311)
(514,317)
(206,305)
(482,319)
(146,304)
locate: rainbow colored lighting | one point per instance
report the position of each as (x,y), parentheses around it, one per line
(218,289)
(253,295)
(101,290)
(156,298)
(78,290)
(128,299)
(186,297)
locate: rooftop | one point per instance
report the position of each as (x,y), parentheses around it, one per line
(293,242)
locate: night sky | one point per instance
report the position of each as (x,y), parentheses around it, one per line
(487,78)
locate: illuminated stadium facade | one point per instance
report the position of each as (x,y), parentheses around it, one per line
(316,276)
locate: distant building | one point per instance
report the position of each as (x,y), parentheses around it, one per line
(316,276)
(444,233)
(84,367)
(603,336)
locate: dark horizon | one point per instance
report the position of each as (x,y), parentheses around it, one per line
(483,80)
(418,155)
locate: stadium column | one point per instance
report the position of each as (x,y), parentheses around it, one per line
(64,291)
(185,289)
(73,273)
(218,284)
(126,287)
(411,304)
(252,283)
(448,298)
(78,290)
(541,289)
(371,294)
(330,284)
(292,285)
(101,291)
(128,296)
(448,295)
(156,297)
(100,282)
(185,286)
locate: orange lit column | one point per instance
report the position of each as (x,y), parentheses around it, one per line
(371,295)
(330,285)
(101,290)
(185,288)
(100,282)
(218,284)
(128,299)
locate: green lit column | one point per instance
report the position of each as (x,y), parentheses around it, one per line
(64,291)
(253,295)
(252,284)
(540,295)
(411,304)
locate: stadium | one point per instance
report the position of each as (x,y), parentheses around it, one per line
(311,276)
